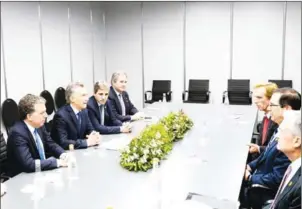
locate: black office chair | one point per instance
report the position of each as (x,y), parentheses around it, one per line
(3,159)
(282,83)
(50,107)
(60,99)
(159,88)
(10,114)
(198,92)
(238,92)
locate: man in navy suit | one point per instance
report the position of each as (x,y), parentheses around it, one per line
(122,107)
(71,123)
(264,174)
(100,112)
(29,146)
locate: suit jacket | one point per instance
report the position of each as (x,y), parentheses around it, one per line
(290,197)
(22,150)
(272,127)
(65,129)
(268,169)
(111,123)
(117,108)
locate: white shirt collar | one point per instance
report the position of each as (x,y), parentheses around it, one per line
(31,129)
(296,165)
(268,115)
(74,110)
(117,93)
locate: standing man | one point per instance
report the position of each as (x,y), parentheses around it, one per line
(122,107)
(262,94)
(29,146)
(71,124)
(100,112)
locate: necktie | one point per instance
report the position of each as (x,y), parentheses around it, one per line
(39,145)
(122,104)
(286,175)
(264,130)
(101,114)
(79,121)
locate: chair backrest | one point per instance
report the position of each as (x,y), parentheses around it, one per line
(238,85)
(282,83)
(60,99)
(160,87)
(50,104)
(10,113)
(3,154)
(198,90)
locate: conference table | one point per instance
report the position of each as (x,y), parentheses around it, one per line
(209,161)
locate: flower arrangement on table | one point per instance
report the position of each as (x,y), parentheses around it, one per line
(155,142)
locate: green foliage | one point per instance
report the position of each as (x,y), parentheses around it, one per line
(155,142)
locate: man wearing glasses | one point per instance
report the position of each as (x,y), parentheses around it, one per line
(100,112)
(263,175)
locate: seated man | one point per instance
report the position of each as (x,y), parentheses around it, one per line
(101,116)
(289,192)
(122,107)
(29,146)
(264,174)
(71,124)
(262,94)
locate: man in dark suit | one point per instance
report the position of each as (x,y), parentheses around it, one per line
(289,192)
(71,123)
(29,146)
(100,112)
(262,94)
(263,175)
(122,107)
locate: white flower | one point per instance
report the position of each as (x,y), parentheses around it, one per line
(127,149)
(143,160)
(158,135)
(135,156)
(158,151)
(146,151)
(134,149)
(131,158)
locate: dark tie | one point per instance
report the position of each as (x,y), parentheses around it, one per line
(79,121)
(101,107)
(39,145)
(264,130)
(286,175)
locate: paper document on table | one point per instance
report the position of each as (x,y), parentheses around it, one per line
(116,144)
(188,204)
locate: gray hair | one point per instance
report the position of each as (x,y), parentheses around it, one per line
(116,75)
(292,122)
(27,104)
(70,89)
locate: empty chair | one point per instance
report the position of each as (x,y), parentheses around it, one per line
(238,92)
(282,83)
(60,99)
(159,88)
(50,107)
(3,159)
(198,92)
(10,113)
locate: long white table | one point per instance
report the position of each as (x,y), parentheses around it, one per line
(210,161)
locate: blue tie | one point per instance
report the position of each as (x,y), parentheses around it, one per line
(79,121)
(39,145)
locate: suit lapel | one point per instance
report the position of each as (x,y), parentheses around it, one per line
(32,140)
(291,184)
(117,101)
(272,145)
(96,109)
(73,116)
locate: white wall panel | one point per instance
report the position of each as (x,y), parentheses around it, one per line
(123,46)
(292,68)
(208,45)
(98,40)
(163,44)
(56,53)
(81,44)
(258,29)
(3,97)
(21,40)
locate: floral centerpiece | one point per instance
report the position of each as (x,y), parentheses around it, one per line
(155,142)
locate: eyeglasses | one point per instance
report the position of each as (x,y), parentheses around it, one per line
(273,105)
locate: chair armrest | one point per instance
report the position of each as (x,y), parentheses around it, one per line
(184,94)
(4,178)
(146,99)
(169,96)
(223,96)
